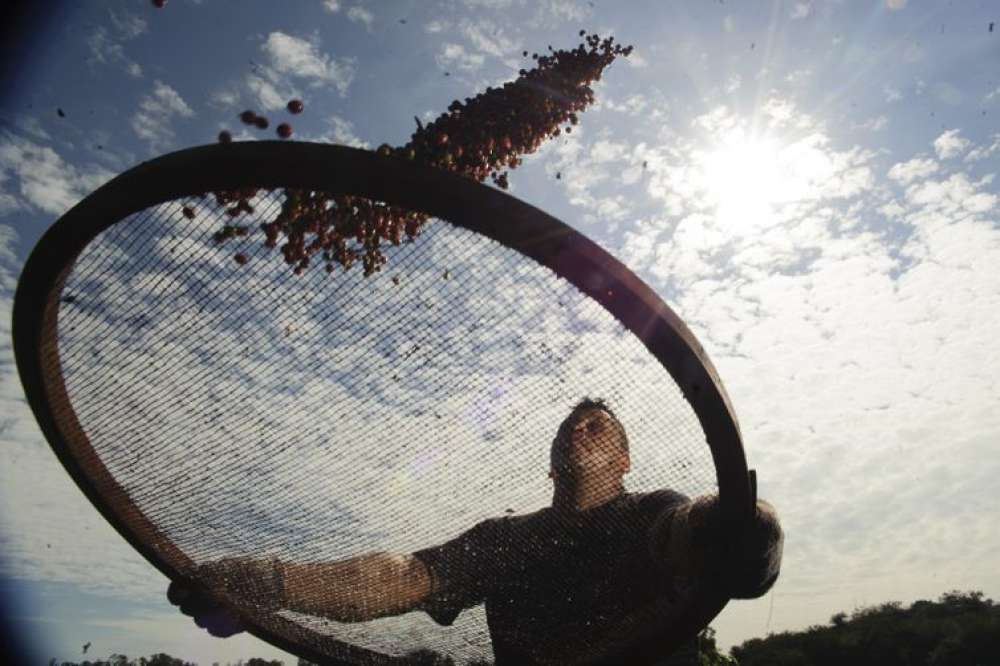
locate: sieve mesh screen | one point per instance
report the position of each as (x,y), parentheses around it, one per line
(247,411)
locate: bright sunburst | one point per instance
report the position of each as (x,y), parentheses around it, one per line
(742,178)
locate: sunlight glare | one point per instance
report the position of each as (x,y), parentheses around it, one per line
(742,179)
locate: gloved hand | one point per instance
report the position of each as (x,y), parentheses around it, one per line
(257,582)
(207,612)
(744,560)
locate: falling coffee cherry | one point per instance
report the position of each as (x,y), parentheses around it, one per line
(159,4)
(240,258)
(455,141)
(225,137)
(248,117)
(188,212)
(296,106)
(261,122)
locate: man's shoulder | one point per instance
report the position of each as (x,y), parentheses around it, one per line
(658,499)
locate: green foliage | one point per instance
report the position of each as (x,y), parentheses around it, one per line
(708,651)
(958,629)
(159,659)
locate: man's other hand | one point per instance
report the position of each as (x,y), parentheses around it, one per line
(746,558)
(208,613)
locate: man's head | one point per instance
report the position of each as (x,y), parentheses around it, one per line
(591,441)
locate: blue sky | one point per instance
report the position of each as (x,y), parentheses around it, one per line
(811,186)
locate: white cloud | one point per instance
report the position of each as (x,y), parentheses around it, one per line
(291,56)
(488,4)
(41,178)
(270,90)
(634,105)
(359,14)
(892,94)
(953,197)
(556,13)
(104,50)
(950,144)
(437,25)
(636,60)
(990,96)
(874,124)
(226,98)
(911,170)
(455,56)
(729,23)
(607,151)
(30,125)
(801,10)
(343,132)
(895,4)
(982,152)
(107,49)
(151,122)
(332,6)
(490,38)
(799,76)
(128,26)
(948,94)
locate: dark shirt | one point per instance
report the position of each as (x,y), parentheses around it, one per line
(555,579)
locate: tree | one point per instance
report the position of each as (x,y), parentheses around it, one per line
(708,651)
(959,628)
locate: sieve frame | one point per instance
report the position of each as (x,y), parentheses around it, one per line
(343,170)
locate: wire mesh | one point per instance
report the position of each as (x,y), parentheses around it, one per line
(248,411)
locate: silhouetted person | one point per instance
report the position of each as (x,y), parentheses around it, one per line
(570,583)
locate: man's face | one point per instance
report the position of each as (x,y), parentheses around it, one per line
(595,444)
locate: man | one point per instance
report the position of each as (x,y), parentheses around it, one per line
(570,583)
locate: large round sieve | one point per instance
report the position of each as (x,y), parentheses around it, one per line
(210,408)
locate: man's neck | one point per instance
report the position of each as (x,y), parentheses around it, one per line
(585,496)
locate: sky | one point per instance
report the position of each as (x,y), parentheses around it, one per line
(809,185)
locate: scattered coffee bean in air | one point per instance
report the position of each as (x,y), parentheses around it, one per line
(159,4)
(225,137)
(479,138)
(261,122)
(248,117)
(60,113)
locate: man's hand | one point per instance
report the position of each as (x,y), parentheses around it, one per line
(258,582)
(208,613)
(745,559)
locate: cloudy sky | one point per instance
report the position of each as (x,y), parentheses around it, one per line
(810,185)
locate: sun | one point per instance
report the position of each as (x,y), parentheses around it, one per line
(742,180)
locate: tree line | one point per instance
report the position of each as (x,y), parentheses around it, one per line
(959,629)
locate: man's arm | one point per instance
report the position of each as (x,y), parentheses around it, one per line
(358,589)
(694,546)
(353,590)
